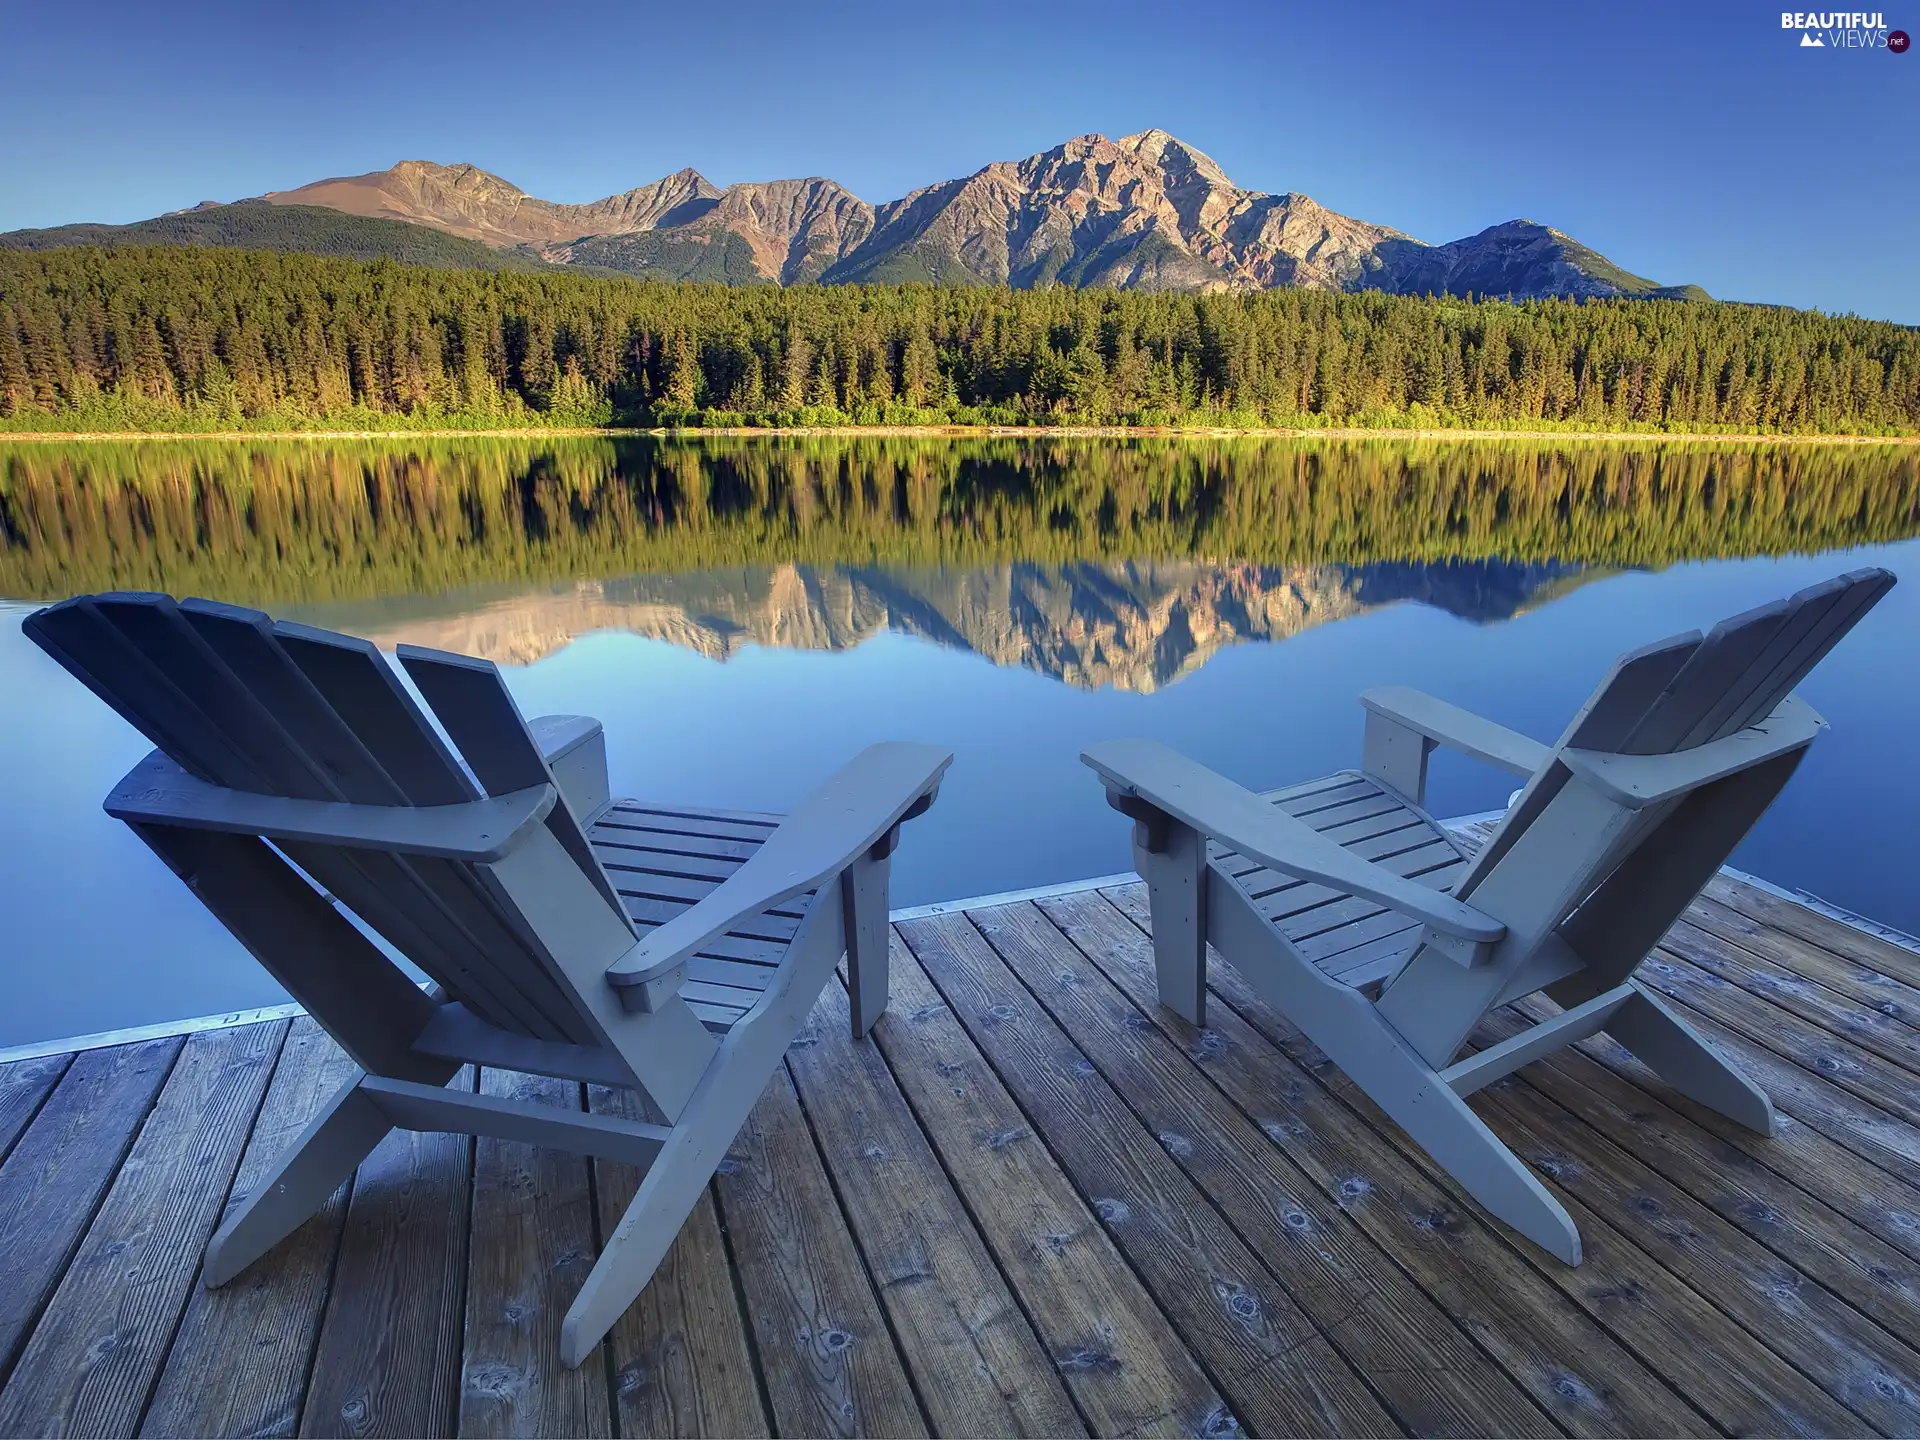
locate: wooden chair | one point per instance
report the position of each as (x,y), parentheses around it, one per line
(300,792)
(1346,906)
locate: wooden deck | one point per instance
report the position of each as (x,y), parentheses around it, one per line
(1038,1204)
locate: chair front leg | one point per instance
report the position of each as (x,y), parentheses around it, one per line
(863,893)
(1172,859)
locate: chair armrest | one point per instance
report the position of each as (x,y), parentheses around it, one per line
(575,749)
(1457,729)
(852,813)
(159,792)
(1636,781)
(1242,821)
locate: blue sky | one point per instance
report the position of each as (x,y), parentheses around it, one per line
(1686,142)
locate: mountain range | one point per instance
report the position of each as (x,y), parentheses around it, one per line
(1124,625)
(1146,211)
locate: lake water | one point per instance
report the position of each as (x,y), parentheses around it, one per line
(745,615)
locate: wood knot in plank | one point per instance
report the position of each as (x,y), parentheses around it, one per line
(835,1340)
(1216,1424)
(1207,1045)
(496,1380)
(1240,1303)
(1572,1388)
(1297,1220)
(1088,1359)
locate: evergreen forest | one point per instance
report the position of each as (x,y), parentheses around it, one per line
(130,338)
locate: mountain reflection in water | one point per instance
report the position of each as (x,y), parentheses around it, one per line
(1128,625)
(1104,563)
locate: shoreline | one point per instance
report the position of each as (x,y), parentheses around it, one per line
(961,432)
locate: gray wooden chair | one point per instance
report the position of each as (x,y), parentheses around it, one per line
(673,951)
(1345,905)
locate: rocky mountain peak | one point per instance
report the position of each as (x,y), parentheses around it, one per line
(1182,163)
(1146,211)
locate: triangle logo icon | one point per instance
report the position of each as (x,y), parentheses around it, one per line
(1809,42)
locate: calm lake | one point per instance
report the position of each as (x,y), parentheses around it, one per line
(746,614)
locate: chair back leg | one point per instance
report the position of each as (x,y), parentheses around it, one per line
(310,1169)
(1671,1048)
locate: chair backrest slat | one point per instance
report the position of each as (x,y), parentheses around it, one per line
(356,681)
(1731,649)
(245,641)
(155,626)
(364,692)
(1617,704)
(95,652)
(471,701)
(1733,710)
(1863,590)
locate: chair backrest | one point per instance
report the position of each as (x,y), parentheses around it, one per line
(241,701)
(1610,902)
(1687,690)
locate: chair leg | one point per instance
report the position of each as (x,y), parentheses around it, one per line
(667,1195)
(863,890)
(1676,1053)
(1176,876)
(1441,1123)
(313,1167)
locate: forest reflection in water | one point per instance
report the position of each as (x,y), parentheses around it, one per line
(862,588)
(1098,562)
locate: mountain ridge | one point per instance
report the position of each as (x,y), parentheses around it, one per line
(1145,211)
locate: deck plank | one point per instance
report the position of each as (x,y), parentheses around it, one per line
(94,1357)
(1569,1363)
(681,1358)
(269,1313)
(1858,983)
(1366,1306)
(531,1247)
(1812,1048)
(1885,1206)
(1036,1201)
(1885,1139)
(1814,1238)
(24,1086)
(1835,936)
(830,1362)
(1808,1328)
(950,1307)
(1673,1329)
(1276,1370)
(1128,1369)
(53,1180)
(1887,1036)
(388,1362)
